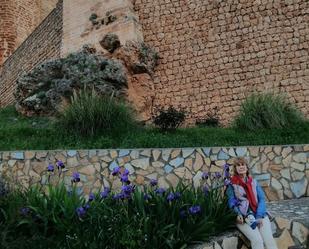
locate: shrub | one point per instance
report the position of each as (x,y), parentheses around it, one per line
(93,18)
(148,56)
(110,42)
(48,85)
(170,119)
(267,111)
(90,114)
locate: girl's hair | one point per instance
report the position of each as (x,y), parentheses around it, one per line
(238,161)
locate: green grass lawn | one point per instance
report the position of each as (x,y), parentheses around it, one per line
(21,133)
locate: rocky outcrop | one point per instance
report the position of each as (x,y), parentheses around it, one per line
(140,61)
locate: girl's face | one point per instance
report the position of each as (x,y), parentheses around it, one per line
(241,169)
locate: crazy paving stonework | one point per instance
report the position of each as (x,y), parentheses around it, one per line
(283,171)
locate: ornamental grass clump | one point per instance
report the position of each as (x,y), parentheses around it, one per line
(267,111)
(146,216)
(91,114)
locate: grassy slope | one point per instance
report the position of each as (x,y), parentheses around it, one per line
(20,133)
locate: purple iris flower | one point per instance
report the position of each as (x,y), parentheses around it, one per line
(226,167)
(217,174)
(226,174)
(81,211)
(226,170)
(128,189)
(153,182)
(124,179)
(170,197)
(227,182)
(116,171)
(160,191)
(195,209)
(126,172)
(24,211)
(91,197)
(147,197)
(105,193)
(177,196)
(118,196)
(60,164)
(205,190)
(50,168)
(75,177)
(205,175)
(87,206)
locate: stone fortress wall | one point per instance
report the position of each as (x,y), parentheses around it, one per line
(42,44)
(18,19)
(213,53)
(216,52)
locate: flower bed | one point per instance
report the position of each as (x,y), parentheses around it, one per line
(55,216)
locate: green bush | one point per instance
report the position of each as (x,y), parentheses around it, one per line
(267,111)
(170,119)
(44,89)
(91,114)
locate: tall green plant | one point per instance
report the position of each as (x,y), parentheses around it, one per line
(267,111)
(136,217)
(90,114)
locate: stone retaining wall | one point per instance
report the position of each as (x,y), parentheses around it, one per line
(283,171)
(288,234)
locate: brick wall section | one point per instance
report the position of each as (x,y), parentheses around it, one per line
(27,18)
(216,52)
(18,18)
(7,29)
(44,43)
(46,7)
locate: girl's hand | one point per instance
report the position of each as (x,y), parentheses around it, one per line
(239,219)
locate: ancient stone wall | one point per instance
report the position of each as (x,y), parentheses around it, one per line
(86,22)
(44,43)
(283,171)
(18,19)
(7,32)
(214,53)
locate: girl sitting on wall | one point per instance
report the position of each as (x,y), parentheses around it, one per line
(246,198)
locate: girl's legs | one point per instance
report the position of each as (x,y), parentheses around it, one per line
(267,234)
(253,235)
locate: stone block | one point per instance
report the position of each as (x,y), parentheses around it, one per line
(299,188)
(142,163)
(156,154)
(300,232)
(230,243)
(283,223)
(285,240)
